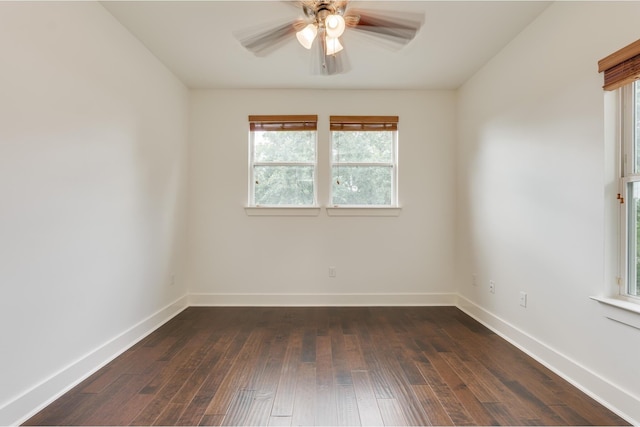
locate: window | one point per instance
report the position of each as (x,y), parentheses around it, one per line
(622,72)
(630,185)
(282,160)
(364,160)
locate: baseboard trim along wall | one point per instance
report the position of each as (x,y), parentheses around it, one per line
(323,300)
(617,400)
(29,403)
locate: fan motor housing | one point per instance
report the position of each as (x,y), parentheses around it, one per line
(320,9)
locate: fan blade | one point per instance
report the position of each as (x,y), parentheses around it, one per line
(262,42)
(328,65)
(398,28)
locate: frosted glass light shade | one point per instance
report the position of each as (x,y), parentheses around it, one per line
(334,25)
(333,45)
(307,35)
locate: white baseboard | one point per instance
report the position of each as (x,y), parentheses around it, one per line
(324,300)
(29,403)
(615,399)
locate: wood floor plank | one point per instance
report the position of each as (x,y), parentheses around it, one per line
(280,421)
(304,412)
(372,344)
(221,368)
(480,390)
(198,404)
(285,394)
(366,399)
(403,350)
(339,361)
(166,385)
(513,404)
(179,358)
(212,420)
(237,375)
(324,366)
(346,406)
(239,408)
(170,415)
(325,391)
(265,384)
(455,409)
(437,414)
(354,353)
(468,400)
(391,412)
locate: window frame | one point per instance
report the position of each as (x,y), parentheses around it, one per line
(627,176)
(367,124)
(284,123)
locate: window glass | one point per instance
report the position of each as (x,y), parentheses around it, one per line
(633,238)
(354,146)
(289,146)
(284,185)
(362,185)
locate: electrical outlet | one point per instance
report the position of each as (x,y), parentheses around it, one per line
(173,280)
(523,299)
(492,286)
(474,280)
(332,272)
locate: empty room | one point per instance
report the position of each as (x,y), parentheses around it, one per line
(320,212)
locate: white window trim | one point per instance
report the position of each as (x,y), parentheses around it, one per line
(620,311)
(359,210)
(282,210)
(371,211)
(364,211)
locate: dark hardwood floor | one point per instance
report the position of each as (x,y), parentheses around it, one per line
(324,366)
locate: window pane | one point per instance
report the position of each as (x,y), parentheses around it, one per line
(291,146)
(633,238)
(283,185)
(362,185)
(367,147)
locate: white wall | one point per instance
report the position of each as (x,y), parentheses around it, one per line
(93,139)
(531,179)
(93,176)
(232,253)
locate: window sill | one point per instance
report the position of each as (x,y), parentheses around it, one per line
(621,311)
(281,211)
(363,211)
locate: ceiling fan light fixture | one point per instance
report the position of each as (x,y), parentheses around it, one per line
(334,25)
(307,35)
(333,45)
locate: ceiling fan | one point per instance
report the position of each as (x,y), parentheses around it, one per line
(322,25)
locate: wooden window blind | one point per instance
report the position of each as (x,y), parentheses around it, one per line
(621,67)
(363,123)
(283,123)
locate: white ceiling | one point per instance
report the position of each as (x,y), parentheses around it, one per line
(195,39)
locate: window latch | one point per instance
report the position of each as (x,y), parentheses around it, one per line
(619,197)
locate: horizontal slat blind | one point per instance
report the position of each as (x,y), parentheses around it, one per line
(283,123)
(363,123)
(621,67)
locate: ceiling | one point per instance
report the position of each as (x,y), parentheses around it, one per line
(195,40)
